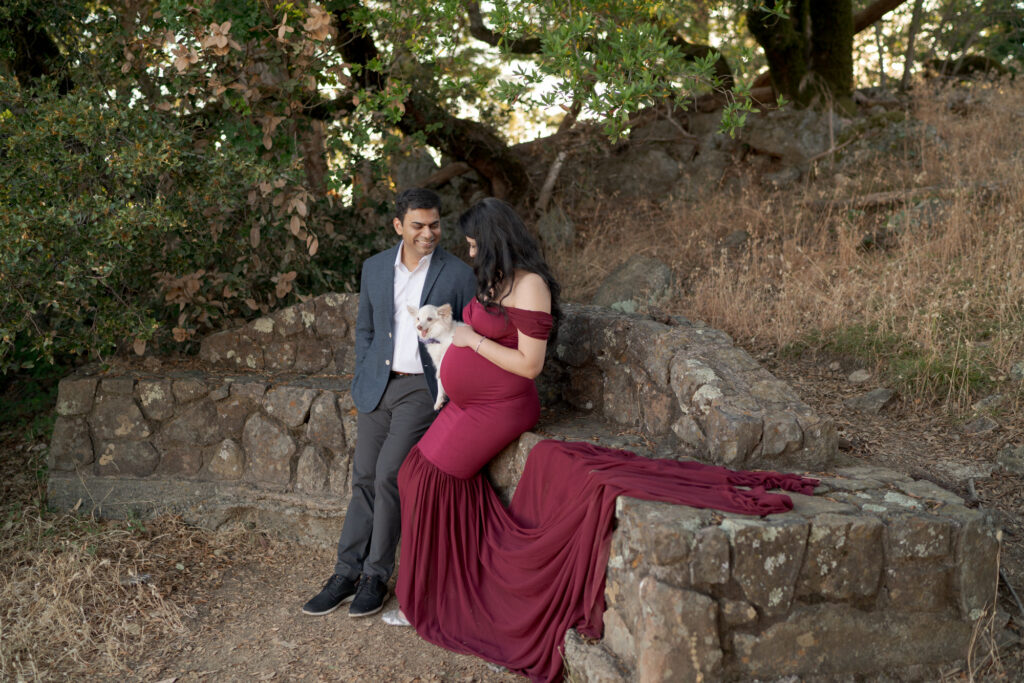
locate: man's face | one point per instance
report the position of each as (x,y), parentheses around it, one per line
(420,231)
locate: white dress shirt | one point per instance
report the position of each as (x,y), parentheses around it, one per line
(408,290)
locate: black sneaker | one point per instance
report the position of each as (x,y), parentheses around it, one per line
(338,590)
(370,596)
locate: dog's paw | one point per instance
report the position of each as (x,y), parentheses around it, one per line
(438,403)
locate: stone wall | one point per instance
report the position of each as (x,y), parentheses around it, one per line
(876,573)
(688,381)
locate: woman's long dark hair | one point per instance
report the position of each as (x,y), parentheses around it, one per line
(502,246)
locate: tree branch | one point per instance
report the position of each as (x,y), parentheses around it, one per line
(872,13)
(480,31)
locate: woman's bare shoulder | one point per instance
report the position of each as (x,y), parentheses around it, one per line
(530,293)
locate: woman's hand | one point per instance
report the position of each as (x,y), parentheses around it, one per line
(465,336)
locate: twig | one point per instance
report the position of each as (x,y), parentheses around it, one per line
(1016,598)
(831,150)
(549,182)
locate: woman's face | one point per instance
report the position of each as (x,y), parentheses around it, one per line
(472,247)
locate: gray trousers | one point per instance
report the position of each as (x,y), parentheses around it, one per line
(373,523)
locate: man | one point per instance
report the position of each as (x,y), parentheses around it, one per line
(394,390)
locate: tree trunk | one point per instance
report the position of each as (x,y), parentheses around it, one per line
(314,156)
(908,59)
(470,141)
(785,46)
(832,48)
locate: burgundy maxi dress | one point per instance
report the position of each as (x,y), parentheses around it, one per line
(506,584)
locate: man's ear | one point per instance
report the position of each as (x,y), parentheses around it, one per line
(445,311)
(398,225)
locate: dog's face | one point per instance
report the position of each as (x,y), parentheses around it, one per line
(432,321)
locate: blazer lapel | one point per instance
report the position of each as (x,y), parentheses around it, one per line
(387,276)
(436,266)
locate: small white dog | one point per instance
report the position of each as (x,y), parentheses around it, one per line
(436,328)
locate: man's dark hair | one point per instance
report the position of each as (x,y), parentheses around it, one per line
(416,198)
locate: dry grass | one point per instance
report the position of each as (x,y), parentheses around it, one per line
(941,308)
(79,598)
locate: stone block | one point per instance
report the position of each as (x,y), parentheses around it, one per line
(332,315)
(651,349)
(621,405)
(506,468)
(977,564)
(689,432)
(677,635)
(268,450)
(917,537)
(155,398)
(929,491)
(658,407)
(279,356)
(117,417)
(325,427)
(767,556)
(117,385)
(589,661)
(295,320)
(121,458)
(189,389)
(782,435)
(736,612)
(311,472)
(338,472)
(261,330)
(687,375)
(312,355)
(251,389)
(178,458)
(349,419)
(709,563)
(917,587)
(227,461)
(844,557)
(618,635)
(70,445)
(75,395)
(732,434)
(244,353)
(215,348)
(198,425)
(585,388)
(829,639)
(289,404)
(231,416)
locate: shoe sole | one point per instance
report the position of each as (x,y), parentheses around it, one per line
(371,612)
(320,614)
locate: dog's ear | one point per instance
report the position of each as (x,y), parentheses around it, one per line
(445,311)
(413,311)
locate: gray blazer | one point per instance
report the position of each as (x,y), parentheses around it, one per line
(449,281)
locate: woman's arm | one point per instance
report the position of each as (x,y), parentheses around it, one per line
(532,294)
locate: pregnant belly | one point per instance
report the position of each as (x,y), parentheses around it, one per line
(468,378)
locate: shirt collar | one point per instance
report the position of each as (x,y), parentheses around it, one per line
(425,261)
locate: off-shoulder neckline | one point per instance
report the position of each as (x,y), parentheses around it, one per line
(514,308)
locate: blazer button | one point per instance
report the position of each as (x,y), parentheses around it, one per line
(387,362)
(389,335)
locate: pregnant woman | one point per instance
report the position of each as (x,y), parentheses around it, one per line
(506,584)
